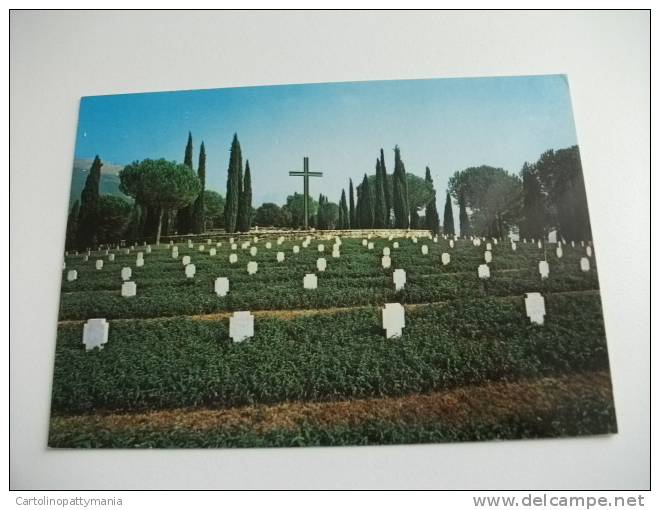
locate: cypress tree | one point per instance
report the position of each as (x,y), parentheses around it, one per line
(343,211)
(72,225)
(463,218)
(352,217)
(387,188)
(532,224)
(448,220)
(432,217)
(414,219)
(233,185)
(400,192)
(89,206)
(379,197)
(184,216)
(366,204)
(188,156)
(245,207)
(198,223)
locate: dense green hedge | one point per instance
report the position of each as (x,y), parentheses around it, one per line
(163,363)
(354,279)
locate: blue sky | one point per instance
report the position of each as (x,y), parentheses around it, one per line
(446,124)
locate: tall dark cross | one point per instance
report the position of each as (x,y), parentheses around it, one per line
(306,174)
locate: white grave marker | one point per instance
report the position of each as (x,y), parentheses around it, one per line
(201,247)
(588,251)
(335,251)
(139,263)
(253,251)
(584,264)
(147,249)
(99,264)
(321,264)
(175,253)
(126,273)
(185,260)
(395,245)
(535,307)
(488,257)
(128,289)
(364,242)
(95,333)
(310,281)
(233,258)
(451,243)
(190,271)
(399,278)
(111,257)
(445,259)
(370,246)
(296,248)
(425,250)
(252,267)
(544,269)
(241,326)
(268,245)
(394,320)
(386,262)
(212,252)
(513,246)
(560,252)
(489,247)
(221,286)
(234,247)
(386,252)
(85,258)
(280,256)
(320,248)
(72,275)
(483,271)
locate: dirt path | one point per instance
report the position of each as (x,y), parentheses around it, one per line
(492,402)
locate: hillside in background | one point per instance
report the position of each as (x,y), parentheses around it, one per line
(109,179)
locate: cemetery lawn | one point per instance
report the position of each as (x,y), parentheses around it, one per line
(319,370)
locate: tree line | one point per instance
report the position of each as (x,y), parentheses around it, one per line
(547,195)
(169,198)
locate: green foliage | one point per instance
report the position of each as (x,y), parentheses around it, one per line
(72,225)
(198,209)
(560,175)
(294,209)
(380,207)
(365,204)
(89,204)
(387,185)
(245,205)
(493,197)
(448,219)
(114,217)
(214,207)
(352,217)
(179,362)
(534,214)
(161,185)
(344,214)
(432,220)
(400,192)
(234,185)
(270,215)
(184,217)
